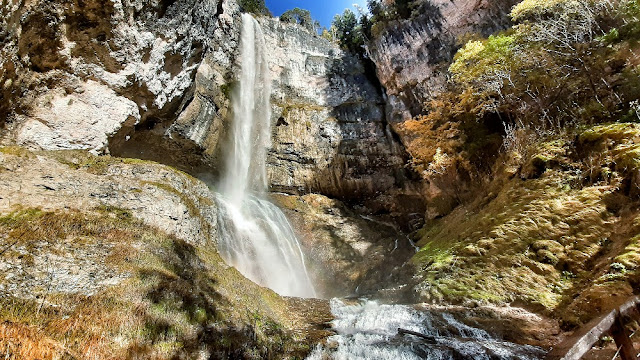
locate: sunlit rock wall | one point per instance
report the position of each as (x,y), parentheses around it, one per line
(330,132)
(94,75)
(412,56)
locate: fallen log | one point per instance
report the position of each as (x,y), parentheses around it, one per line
(430,339)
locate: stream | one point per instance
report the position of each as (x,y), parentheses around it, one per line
(369,330)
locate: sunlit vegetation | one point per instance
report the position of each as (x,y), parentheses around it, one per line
(533,147)
(257,7)
(175,300)
(560,238)
(563,64)
(301,17)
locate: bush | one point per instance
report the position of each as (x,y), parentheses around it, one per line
(301,17)
(551,70)
(256,7)
(347,30)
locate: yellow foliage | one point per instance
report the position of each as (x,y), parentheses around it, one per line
(529,7)
(465,55)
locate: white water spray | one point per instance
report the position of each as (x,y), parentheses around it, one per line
(370,331)
(256,237)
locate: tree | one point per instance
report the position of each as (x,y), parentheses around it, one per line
(349,32)
(257,7)
(301,17)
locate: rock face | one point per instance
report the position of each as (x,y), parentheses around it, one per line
(412,56)
(348,254)
(330,133)
(153,79)
(88,74)
(158,195)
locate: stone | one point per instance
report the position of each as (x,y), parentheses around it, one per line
(412,56)
(159,196)
(139,56)
(82,119)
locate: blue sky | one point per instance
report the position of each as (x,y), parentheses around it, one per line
(321,10)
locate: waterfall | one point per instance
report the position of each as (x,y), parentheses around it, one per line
(256,237)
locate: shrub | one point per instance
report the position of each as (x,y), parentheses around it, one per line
(256,7)
(301,17)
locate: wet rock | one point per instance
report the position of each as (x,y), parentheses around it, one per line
(348,254)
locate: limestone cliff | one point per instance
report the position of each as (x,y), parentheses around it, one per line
(412,56)
(88,75)
(330,131)
(153,80)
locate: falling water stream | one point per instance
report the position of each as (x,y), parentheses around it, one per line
(257,239)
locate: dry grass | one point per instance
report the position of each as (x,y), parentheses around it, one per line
(179,300)
(34,228)
(18,342)
(540,239)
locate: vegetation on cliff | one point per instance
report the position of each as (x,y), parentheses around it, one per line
(534,144)
(257,7)
(301,17)
(84,281)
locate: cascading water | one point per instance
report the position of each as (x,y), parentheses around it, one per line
(256,237)
(369,331)
(258,240)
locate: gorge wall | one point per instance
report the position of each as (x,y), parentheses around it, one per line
(412,56)
(152,80)
(85,75)
(331,135)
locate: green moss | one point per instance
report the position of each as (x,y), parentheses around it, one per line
(433,256)
(616,132)
(630,257)
(119,213)
(516,246)
(84,160)
(15,151)
(227,89)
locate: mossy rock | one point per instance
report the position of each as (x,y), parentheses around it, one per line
(617,132)
(176,301)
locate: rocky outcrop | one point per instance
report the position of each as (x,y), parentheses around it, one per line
(158,195)
(330,133)
(89,75)
(412,56)
(348,254)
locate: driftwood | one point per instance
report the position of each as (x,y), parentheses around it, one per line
(430,339)
(576,346)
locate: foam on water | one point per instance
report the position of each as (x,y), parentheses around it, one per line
(369,330)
